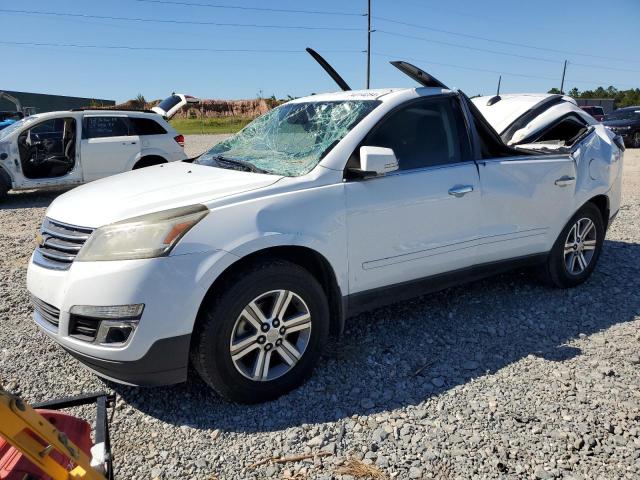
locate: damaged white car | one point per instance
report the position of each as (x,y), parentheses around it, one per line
(243,262)
(62,149)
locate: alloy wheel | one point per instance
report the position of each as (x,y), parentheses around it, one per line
(270,335)
(580,246)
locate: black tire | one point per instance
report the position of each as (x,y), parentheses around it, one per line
(636,139)
(210,347)
(5,185)
(557,271)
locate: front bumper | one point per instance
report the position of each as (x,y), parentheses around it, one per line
(171,288)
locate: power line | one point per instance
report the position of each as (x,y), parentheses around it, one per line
(256,9)
(165,49)
(497,52)
(467,47)
(180,22)
(497,72)
(503,42)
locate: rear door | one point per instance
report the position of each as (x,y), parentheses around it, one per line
(109,145)
(525,203)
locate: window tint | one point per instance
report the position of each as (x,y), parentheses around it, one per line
(49,126)
(145,126)
(426,133)
(100,127)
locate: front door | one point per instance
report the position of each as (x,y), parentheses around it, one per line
(422,219)
(109,146)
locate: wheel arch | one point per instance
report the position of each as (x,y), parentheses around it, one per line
(6,178)
(309,259)
(149,160)
(602,203)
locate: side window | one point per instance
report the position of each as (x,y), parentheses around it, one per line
(146,126)
(425,133)
(55,125)
(101,127)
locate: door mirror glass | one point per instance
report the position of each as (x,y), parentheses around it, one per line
(375,161)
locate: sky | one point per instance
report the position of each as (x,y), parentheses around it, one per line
(465,44)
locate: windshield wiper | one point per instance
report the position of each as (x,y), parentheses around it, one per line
(247,166)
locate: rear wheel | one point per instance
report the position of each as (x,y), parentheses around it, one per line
(577,249)
(636,139)
(261,336)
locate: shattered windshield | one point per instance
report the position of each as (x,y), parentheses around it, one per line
(289,140)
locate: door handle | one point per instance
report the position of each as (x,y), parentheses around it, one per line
(128,143)
(460,190)
(565,180)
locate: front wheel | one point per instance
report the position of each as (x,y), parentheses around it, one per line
(261,335)
(577,249)
(636,139)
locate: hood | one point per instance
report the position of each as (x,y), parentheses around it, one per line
(517,116)
(149,190)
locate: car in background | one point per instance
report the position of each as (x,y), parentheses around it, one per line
(172,105)
(595,111)
(626,123)
(62,149)
(9,118)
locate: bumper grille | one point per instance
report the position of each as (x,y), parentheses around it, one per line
(48,312)
(60,244)
(83,328)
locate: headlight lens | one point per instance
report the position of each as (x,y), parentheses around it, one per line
(147,236)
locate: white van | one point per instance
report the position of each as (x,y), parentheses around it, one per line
(61,149)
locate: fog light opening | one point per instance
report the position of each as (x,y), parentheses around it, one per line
(115,333)
(118,334)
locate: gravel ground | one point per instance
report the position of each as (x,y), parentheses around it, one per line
(194,145)
(500,378)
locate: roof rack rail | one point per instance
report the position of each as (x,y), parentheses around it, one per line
(104,109)
(417,74)
(329,69)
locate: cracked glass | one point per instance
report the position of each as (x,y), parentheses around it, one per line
(289,140)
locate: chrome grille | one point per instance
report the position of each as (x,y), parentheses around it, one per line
(59,244)
(48,312)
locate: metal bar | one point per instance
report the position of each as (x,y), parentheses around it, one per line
(68,402)
(564,70)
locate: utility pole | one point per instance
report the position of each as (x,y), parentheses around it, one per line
(368,44)
(499,80)
(564,70)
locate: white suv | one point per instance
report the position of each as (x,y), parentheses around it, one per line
(244,261)
(61,149)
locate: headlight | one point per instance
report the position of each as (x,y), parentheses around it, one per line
(147,236)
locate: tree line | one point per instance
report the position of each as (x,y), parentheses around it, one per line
(623,98)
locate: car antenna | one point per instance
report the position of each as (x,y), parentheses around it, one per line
(419,75)
(496,98)
(329,69)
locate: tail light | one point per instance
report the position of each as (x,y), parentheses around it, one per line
(180,140)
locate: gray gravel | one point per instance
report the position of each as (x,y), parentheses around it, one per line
(195,145)
(500,378)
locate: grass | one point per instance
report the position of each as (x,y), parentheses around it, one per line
(194,126)
(360,470)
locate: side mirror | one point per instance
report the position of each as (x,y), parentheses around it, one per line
(375,161)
